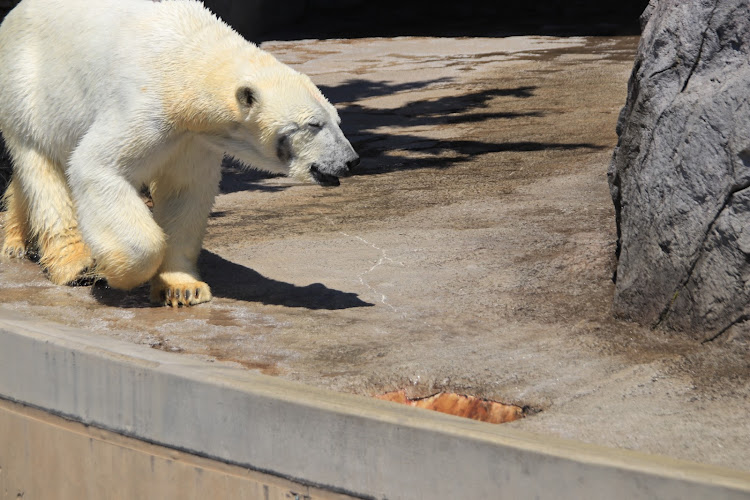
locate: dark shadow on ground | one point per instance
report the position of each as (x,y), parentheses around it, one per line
(442,111)
(237,177)
(355,89)
(385,152)
(463,151)
(233,281)
(137,298)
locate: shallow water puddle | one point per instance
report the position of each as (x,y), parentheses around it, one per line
(460,406)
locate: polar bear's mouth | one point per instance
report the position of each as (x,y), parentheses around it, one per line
(322,178)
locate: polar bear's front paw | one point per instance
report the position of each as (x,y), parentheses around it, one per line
(178,289)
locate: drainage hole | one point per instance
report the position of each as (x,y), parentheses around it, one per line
(460,405)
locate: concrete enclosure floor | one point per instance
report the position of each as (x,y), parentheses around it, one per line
(473,253)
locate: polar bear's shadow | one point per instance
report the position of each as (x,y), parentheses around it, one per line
(234,281)
(231,280)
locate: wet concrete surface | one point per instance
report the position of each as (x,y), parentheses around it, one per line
(472,254)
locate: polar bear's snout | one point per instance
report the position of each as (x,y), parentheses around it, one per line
(339,161)
(350,163)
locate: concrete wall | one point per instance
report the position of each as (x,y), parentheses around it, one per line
(47,457)
(341,443)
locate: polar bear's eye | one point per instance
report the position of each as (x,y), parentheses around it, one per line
(283,149)
(315,125)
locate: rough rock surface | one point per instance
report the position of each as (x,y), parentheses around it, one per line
(680,175)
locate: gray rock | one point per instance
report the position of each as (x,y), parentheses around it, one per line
(680,174)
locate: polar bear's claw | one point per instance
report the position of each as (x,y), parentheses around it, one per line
(178,294)
(14,250)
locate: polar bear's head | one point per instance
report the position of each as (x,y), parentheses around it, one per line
(286,125)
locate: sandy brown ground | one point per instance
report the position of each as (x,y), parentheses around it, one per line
(473,253)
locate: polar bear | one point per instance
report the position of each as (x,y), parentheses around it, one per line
(101,97)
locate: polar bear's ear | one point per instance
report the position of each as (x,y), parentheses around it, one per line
(245,96)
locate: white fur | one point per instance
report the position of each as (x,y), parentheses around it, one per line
(115,94)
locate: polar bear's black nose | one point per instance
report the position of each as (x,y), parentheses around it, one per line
(352,163)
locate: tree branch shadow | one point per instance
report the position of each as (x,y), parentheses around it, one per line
(374,131)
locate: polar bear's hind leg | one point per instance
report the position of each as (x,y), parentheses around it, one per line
(16,224)
(40,209)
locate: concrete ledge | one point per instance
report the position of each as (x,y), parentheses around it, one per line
(340,442)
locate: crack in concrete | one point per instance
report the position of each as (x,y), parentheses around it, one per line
(382,260)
